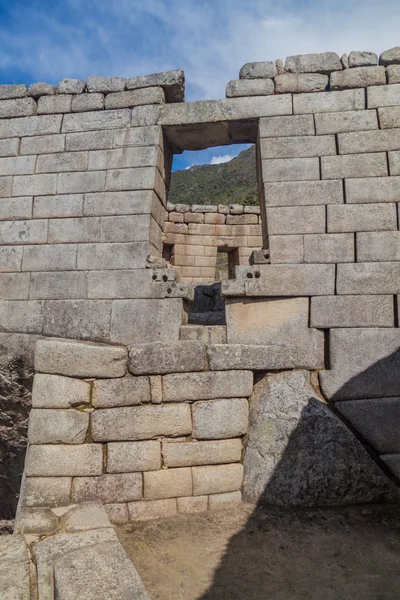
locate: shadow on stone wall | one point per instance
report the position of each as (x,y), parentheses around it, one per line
(303,547)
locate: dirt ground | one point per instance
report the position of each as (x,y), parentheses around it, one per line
(329,554)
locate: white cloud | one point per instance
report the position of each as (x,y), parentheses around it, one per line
(217,160)
(188,167)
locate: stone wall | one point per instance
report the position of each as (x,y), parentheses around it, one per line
(197,233)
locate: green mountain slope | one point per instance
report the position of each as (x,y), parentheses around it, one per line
(228,183)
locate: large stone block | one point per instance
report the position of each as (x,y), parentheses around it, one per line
(303,193)
(286,249)
(61,162)
(389,118)
(361,217)
(300,82)
(48,105)
(125,391)
(287,126)
(299,454)
(381,246)
(112,256)
(384,95)
(141,422)
(17,165)
(225,501)
(130,98)
(215,334)
(15,566)
(17,90)
(46,491)
(377,189)
(369,141)
(23,232)
(64,461)
(36,521)
(78,319)
(351,311)
(6,186)
(91,121)
(19,107)
(80,359)
(172,82)
(26,317)
(250,87)
(9,147)
(168,483)
(359,77)
(290,169)
(56,285)
(16,208)
(206,385)
(296,219)
(153,509)
(70,205)
(324,62)
(192,505)
(376,420)
(10,258)
(329,248)
(34,185)
(14,286)
(48,257)
(364,364)
(53,391)
(125,487)
(42,125)
(354,165)
(327,102)
(154,320)
(362,59)
(257,70)
(73,183)
(57,426)
(159,358)
(123,158)
(337,122)
(220,419)
(118,203)
(297,146)
(368,278)
(90,515)
(188,454)
(217,479)
(88,102)
(89,140)
(125,457)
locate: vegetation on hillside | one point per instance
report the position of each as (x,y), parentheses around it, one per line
(228,183)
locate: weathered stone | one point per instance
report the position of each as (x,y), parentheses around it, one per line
(87,102)
(225,501)
(156,389)
(220,419)
(192,505)
(217,479)
(359,217)
(354,165)
(257,70)
(381,246)
(109,489)
(117,513)
(313,63)
(393,74)
(71,86)
(368,278)
(14,565)
(125,391)
(172,82)
(360,77)
(141,422)
(151,95)
(364,364)
(289,220)
(215,334)
(79,319)
(57,426)
(376,420)
(156,509)
(188,454)
(250,87)
(41,89)
(362,59)
(54,104)
(297,147)
(89,515)
(133,456)
(287,126)
(390,57)
(385,95)
(92,121)
(80,359)
(46,491)
(161,357)
(291,169)
(329,102)
(379,189)
(12,91)
(301,82)
(106,85)
(168,483)
(351,120)
(370,141)
(299,454)
(351,311)
(329,248)
(64,461)
(20,316)
(197,386)
(38,521)
(113,256)
(303,193)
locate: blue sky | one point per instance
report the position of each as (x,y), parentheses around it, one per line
(46,40)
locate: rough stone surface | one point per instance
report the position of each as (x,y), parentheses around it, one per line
(369,278)
(86,516)
(217,479)
(216,419)
(153,509)
(393,462)
(38,521)
(124,391)
(378,246)
(301,82)
(106,85)
(346,121)
(192,505)
(303,193)
(12,91)
(46,491)
(351,311)
(362,59)
(197,386)
(188,454)
(257,70)
(80,359)
(71,86)
(57,426)
(329,248)
(141,422)
(250,87)
(329,102)
(161,358)
(376,420)
(364,364)
(313,63)
(64,461)
(117,513)
(167,483)
(14,568)
(360,77)
(299,454)
(225,501)
(215,334)
(390,57)
(133,456)
(41,89)
(172,82)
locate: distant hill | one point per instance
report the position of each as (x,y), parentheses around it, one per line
(228,183)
